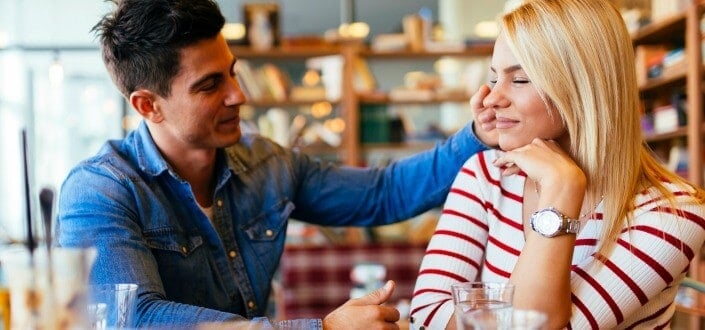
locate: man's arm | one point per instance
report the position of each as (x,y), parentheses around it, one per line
(95,209)
(344,196)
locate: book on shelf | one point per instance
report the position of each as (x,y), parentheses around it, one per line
(674,62)
(248,79)
(277,81)
(364,80)
(647,58)
(374,123)
(678,159)
(307,93)
(267,81)
(331,68)
(665,119)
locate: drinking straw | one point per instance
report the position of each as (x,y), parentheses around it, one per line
(28,204)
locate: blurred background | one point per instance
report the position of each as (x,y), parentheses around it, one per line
(54,85)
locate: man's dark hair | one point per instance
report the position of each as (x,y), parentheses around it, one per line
(141,39)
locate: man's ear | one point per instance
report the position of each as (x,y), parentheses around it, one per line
(144,102)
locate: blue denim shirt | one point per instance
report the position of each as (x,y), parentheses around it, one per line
(148,228)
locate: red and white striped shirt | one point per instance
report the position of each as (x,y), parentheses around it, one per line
(480,234)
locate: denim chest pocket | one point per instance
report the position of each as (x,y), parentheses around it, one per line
(267,225)
(174,242)
(183,265)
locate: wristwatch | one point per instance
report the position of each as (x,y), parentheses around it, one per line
(550,222)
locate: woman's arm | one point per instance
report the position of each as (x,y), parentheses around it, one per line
(638,279)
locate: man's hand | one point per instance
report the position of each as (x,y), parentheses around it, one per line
(484,122)
(365,312)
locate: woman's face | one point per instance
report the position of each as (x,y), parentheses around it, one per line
(521,113)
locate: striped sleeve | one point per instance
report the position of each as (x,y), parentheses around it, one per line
(634,285)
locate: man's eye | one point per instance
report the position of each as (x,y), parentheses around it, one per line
(210,84)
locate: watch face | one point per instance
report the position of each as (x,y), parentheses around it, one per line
(547,222)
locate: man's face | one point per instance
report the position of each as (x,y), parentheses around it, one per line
(203,110)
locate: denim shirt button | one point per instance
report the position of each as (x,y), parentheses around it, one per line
(184,249)
(251,304)
(269,233)
(219,202)
(232,254)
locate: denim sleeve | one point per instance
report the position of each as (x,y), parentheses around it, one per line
(344,196)
(97,208)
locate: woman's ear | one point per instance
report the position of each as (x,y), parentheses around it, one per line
(144,102)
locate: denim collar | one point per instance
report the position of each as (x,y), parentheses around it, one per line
(149,159)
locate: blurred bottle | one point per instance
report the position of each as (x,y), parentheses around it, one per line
(261,35)
(367,277)
(4,302)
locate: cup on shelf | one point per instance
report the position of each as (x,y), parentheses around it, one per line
(470,296)
(111,306)
(503,319)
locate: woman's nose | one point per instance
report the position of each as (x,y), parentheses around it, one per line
(497,97)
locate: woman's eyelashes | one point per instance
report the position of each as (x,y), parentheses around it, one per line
(493,82)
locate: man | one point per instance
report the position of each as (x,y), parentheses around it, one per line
(196,213)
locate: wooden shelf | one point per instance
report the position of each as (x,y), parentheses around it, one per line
(349,104)
(672,28)
(286,103)
(681,132)
(683,30)
(284,52)
(479,49)
(365,99)
(697,311)
(657,85)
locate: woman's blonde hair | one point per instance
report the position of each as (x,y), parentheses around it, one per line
(580,55)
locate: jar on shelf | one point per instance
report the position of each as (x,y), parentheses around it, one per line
(261,36)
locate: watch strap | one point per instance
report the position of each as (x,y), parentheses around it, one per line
(572,226)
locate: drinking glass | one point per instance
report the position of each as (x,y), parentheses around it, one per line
(42,299)
(470,296)
(111,306)
(503,319)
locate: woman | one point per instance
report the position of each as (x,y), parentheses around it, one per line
(573,209)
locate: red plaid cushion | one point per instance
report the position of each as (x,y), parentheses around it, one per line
(316,279)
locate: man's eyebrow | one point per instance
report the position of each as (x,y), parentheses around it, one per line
(515,67)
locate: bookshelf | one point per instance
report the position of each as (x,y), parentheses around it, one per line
(680,29)
(348,106)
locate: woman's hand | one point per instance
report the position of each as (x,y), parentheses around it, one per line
(549,166)
(484,118)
